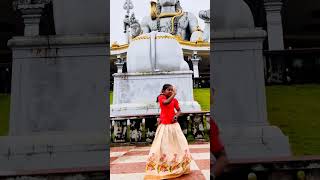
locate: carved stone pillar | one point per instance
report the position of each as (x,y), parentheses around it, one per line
(195,62)
(119,63)
(31,14)
(274,22)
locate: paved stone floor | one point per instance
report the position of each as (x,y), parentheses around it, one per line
(128,162)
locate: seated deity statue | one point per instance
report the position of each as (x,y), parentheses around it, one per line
(168,16)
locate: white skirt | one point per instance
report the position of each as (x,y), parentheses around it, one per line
(169,156)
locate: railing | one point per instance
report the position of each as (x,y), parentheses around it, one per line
(141,128)
(203,81)
(292,66)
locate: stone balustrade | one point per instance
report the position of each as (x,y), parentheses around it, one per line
(141,128)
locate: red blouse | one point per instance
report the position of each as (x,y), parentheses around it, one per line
(167,110)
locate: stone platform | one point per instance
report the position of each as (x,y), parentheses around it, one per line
(136,93)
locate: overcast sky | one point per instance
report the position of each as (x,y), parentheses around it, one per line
(142,8)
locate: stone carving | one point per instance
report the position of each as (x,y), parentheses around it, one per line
(151,128)
(168,16)
(16,3)
(150,135)
(155,56)
(31,11)
(119,131)
(155,51)
(198,127)
(136,29)
(205,15)
(135,131)
(128,6)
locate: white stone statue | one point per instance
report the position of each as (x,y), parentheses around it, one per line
(168,16)
(134,135)
(116,130)
(155,51)
(205,15)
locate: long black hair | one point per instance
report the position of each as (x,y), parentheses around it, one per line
(164,87)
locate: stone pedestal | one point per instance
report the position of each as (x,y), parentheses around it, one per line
(119,63)
(136,93)
(240,103)
(58,84)
(53,152)
(59,103)
(195,62)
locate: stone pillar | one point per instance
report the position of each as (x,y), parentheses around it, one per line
(275,39)
(31,14)
(240,103)
(274,24)
(56,92)
(195,62)
(237,76)
(119,63)
(59,102)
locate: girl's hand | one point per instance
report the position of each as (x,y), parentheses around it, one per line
(174,90)
(175,119)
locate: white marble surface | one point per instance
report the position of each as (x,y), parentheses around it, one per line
(155,50)
(136,93)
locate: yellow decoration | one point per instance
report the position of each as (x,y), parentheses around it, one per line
(198,43)
(115,44)
(165,37)
(178,13)
(199,39)
(140,38)
(119,47)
